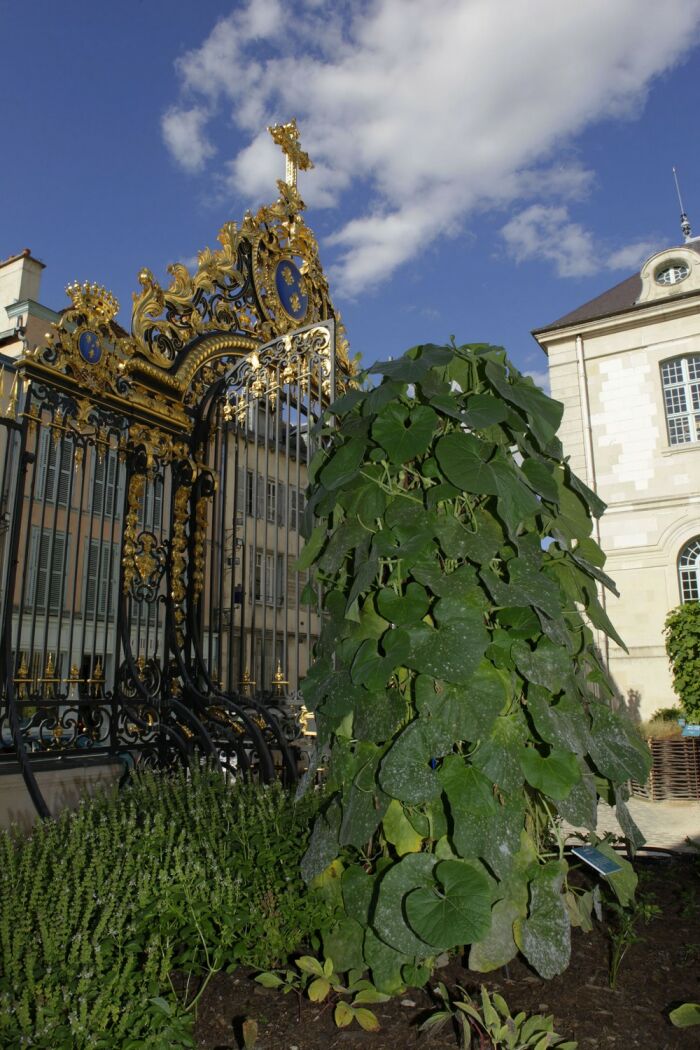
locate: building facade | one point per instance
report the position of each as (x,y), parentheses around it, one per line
(626,366)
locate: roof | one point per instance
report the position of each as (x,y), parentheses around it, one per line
(26,253)
(619,299)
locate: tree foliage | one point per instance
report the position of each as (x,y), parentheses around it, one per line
(453,686)
(682,631)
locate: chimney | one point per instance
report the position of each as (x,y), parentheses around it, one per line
(20,279)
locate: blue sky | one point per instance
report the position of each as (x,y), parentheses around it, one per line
(482,167)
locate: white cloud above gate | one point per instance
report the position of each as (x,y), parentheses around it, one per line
(417,119)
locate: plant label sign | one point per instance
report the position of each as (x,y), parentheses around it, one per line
(690,730)
(595,859)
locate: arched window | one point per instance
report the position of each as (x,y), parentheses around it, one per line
(689,571)
(681,383)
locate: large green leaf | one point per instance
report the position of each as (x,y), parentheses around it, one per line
(546,665)
(342,464)
(580,807)
(414,871)
(498,947)
(385,964)
(404,433)
(463,459)
(364,802)
(543,413)
(473,807)
(624,881)
(483,410)
(323,844)
(357,890)
(343,944)
(544,937)
(399,831)
(406,772)
(540,478)
(498,756)
(616,748)
(403,609)
(469,711)
(564,723)
(456,910)
(554,774)
(452,652)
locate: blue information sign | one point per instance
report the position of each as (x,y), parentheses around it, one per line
(595,859)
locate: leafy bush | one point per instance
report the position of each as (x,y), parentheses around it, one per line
(456,688)
(682,631)
(101,906)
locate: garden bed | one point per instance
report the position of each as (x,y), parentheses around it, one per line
(657,972)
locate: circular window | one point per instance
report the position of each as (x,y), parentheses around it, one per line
(672,273)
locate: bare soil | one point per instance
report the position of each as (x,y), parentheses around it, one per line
(657,973)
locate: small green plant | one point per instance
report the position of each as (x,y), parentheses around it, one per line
(492,1023)
(686,1015)
(320,982)
(682,630)
(624,930)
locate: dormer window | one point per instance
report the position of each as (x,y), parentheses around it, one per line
(681,384)
(672,273)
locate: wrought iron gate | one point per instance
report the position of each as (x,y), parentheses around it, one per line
(152,494)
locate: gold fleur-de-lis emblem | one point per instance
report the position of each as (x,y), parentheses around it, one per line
(287,275)
(295,301)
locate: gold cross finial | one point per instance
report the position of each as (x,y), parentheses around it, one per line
(287,137)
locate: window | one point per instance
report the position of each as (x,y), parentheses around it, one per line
(681,385)
(101,579)
(689,571)
(54,469)
(108,483)
(47,571)
(297,504)
(254,495)
(266,578)
(151,505)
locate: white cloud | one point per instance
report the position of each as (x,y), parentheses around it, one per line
(547,232)
(415,118)
(542,380)
(184,135)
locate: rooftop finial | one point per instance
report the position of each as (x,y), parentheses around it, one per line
(685,222)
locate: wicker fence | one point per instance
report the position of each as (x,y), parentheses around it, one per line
(675,771)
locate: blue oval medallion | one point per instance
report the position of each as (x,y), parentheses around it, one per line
(90,347)
(290,289)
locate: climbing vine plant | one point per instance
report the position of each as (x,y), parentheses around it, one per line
(459,702)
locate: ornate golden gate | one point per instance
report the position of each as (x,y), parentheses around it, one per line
(153,491)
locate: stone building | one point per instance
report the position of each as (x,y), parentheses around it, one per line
(626,366)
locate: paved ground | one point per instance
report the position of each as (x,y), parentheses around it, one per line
(666,825)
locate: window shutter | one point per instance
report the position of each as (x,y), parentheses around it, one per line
(42,465)
(98,483)
(91,577)
(259,496)
(33,560)
(57,573)
(281,504)
(64,472)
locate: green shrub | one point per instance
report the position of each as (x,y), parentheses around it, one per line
(682,631)
(666,714)
(456,687)
(101,906)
